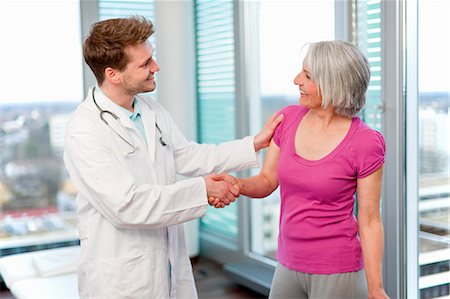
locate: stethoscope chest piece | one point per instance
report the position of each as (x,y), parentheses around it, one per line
(163,139)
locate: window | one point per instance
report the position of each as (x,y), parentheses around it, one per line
(280,29)
(368,27)
(41,75)
(433,149)
(108,9)
(408,93)
(36,195)
(216,92)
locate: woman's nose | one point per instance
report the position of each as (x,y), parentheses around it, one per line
(297,80)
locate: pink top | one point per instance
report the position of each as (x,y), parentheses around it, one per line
(318,229)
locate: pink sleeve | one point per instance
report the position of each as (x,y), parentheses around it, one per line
(370,153)
(277,136)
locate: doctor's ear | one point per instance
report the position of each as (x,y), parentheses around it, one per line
(113,75)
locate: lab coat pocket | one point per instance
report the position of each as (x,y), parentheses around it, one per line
(120,278)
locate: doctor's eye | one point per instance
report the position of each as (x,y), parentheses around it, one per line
(147,62)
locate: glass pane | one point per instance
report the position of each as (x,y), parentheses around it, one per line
(109,9)
(282,27)
(368,24)
(216,94)
(41,84)
(433,148)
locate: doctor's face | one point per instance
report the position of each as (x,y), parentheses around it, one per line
(139,74)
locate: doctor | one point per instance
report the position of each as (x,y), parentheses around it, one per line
(123,152)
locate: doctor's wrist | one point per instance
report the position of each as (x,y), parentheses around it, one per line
(258,143)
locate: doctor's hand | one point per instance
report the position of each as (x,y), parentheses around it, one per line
(220,189)
(262,139)
(216,202)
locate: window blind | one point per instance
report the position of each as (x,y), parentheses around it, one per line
(109,9)
(215,70)
(369,40)
(215,54)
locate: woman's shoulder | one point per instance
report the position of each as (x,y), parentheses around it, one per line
(364,130)
(295,108)
(292,112)
(367,149)
(367,139)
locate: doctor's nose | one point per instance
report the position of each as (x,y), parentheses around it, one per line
(154,67)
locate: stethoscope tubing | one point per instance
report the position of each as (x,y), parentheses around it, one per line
(102,117)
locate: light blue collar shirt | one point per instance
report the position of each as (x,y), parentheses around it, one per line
(135,116)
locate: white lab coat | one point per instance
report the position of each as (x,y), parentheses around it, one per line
(131,206)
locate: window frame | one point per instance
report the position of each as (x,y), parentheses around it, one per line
(394,205)
(397,186)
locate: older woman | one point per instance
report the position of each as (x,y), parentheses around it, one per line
(321,155)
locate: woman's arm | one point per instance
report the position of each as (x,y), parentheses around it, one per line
(371,231)
(266,181)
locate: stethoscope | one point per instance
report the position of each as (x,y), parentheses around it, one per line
(131,144)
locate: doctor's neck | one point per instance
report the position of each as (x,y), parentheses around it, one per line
(119,96)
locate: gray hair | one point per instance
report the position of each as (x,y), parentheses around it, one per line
(341,73)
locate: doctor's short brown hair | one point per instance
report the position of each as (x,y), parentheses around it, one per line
(106,43)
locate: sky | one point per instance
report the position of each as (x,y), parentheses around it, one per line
(40,52)
(285,27)
(41,56)
(434,45)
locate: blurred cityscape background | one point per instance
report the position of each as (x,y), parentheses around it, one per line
(34,184)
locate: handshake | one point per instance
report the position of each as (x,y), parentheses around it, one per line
(222,189)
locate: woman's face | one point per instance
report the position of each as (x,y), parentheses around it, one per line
(309,96)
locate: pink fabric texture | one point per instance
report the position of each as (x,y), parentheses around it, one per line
(318,230)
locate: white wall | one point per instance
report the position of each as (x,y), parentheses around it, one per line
(175,48)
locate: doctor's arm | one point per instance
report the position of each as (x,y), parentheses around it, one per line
(193,159)
(220,191)
(371,231)
(105,181)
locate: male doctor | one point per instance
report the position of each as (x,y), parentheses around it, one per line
(123,152)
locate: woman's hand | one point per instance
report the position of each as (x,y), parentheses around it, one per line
(378,294)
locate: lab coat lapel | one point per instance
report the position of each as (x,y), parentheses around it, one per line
(148,119)
(123,126)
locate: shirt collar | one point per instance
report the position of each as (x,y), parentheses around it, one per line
(131,115)
(137,111)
